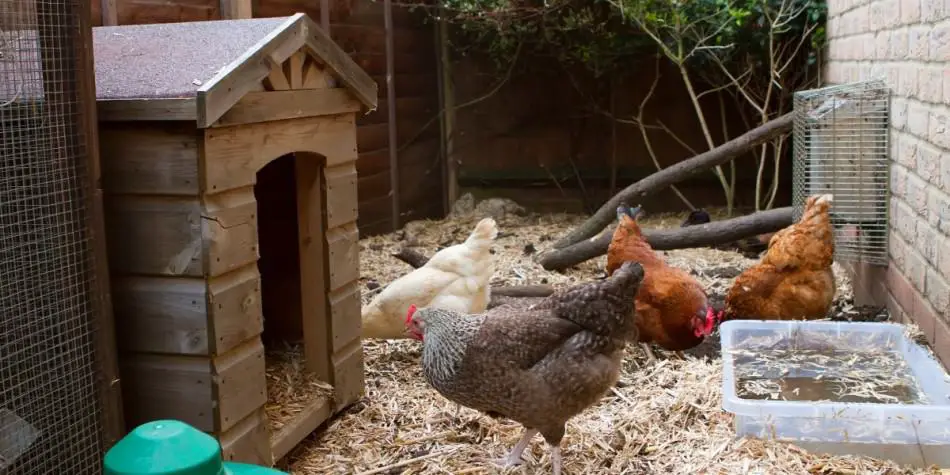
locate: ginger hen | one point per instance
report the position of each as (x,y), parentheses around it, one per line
(794,279)
(672,309)
(539,365)
(455,278)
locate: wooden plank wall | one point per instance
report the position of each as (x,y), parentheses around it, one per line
(357,26)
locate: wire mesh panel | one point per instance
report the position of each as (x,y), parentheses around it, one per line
(49,389)
(841,147)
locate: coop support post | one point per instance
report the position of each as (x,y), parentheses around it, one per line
(109,12)
(235,9)
(391,116)
(110,395)
(325,16)
(447,106)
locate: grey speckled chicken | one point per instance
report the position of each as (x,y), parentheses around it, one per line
(538,365)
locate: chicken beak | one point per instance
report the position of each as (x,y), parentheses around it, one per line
(630,212)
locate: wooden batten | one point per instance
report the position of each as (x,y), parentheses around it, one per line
(248,441)
(345,315)
(343,248)
(234,307)
(342,201)
(163,387)
(348,376)
(229,226)
(158,158)
(265,106)
(233,155)
(161,314)
(240,384)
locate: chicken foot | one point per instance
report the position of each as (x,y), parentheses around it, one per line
(652,358)
(514,457)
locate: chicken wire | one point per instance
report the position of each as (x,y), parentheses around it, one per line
(49,401)
(841,147)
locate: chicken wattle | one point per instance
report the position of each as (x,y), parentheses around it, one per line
(538,365)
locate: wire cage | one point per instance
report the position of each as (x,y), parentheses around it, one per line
(56,362)
(841,147)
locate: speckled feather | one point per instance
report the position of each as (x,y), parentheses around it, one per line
(539,365)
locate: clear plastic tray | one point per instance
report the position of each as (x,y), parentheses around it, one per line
(912,434)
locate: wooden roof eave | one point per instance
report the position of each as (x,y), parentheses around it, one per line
(221,93)
(353,77)
(218,95)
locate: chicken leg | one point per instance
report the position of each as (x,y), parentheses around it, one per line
(556,459)
(649,352)
(514,457)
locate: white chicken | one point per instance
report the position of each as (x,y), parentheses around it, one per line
(456,278)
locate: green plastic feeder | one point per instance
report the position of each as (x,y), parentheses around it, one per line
(170,447)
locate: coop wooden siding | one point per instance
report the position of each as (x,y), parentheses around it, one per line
(248,440)
(228,165)
(211,393)
(186,316)
(178,236)
(906,41)
(159,158)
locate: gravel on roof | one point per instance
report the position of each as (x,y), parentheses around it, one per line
(170,60)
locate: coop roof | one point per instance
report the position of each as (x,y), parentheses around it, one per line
(199,70)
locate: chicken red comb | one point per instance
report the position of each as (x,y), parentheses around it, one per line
(710,320)
(412,310)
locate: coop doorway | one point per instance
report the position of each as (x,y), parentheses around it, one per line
(290,221)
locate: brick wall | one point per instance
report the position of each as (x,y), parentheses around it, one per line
(908,43)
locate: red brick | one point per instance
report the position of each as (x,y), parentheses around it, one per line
(916,308)
(894,309)
(941,343)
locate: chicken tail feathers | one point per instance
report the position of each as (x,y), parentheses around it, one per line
(485,232)
(604,307)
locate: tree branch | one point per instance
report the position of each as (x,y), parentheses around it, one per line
(675,174)
(709,234)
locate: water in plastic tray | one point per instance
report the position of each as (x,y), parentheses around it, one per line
(837,387)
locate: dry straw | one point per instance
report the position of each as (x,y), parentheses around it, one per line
(664,418)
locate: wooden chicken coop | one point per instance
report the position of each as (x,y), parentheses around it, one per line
(229,167)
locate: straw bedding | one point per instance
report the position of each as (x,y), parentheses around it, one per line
(662,418)
(290,387)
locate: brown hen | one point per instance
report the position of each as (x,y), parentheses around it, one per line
(794,279)
(539,365)
(672,309)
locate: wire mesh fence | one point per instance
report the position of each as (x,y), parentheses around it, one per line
(49,401)
(841,147)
